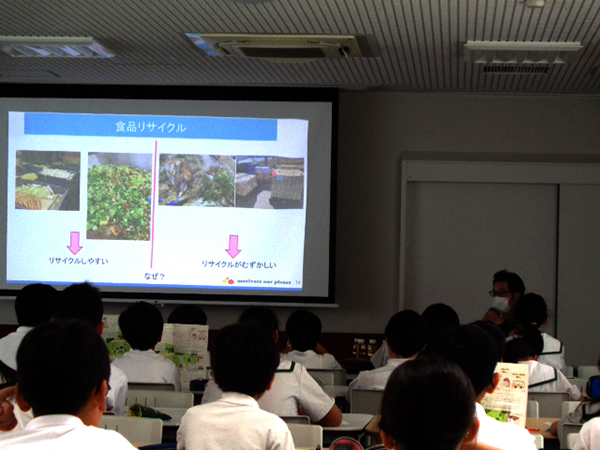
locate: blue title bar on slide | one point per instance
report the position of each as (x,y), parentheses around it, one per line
(171,127)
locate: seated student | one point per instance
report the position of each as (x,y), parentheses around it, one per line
(531,309)
(474,351)
(83,301)
(406,335)
(142,327)
(34,305)
(589,436)
(63,371)
(243,361)
(542,378)
(293,391)
(507,289)
(428,403)
(303,329)
(188,315)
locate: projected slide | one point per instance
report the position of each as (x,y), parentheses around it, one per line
(162,201)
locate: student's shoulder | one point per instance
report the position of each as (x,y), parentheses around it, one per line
(99,438)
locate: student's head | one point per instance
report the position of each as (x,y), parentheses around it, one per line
(406,333)
(531,310)
(303,329)
(529,345)
(508,285)
(428,403)
(141,325)
(80,301)
(244,359)
(34,304)
(473,350)
(496,334)
(188,314)
(62,366)
(439,317)
(262,317)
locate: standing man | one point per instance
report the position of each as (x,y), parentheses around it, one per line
(507,289)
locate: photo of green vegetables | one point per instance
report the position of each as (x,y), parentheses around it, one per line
(119,193)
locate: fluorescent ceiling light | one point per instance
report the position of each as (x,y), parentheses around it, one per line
(53,47)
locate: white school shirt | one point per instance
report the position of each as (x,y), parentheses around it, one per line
(62,432)
(293,387)
(374,380)
(146,366)
(381,357)
(505,436)
(311,360)
(117,396)
(589,436)
(553,353)
(9,345)
(233,422)
(543,378)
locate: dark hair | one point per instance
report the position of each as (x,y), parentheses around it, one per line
(531,309)
(80,301)
(496,334)
(244,359)
(60,364)
(439,317)
(303,329)
(34,304)
(262,317)
(515,283)
(141,325)
(528,345)
(427,388)
(406,333)
(188,314)
(472,349)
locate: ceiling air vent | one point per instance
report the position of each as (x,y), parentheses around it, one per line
(278,48)
(516,70)
(500,52)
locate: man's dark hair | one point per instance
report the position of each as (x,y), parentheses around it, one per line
(188,314)
(80,301)
(439,317)
(496,334)
(406,333)
(262,317)
(303,329)
(472,349)
(531,309)
(141,325)
(515,283)
(529,345)
(244,359)
(34,304)
(60,364)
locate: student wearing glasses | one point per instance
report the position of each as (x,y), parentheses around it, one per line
(507,289)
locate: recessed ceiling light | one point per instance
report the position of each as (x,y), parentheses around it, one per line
(53,47)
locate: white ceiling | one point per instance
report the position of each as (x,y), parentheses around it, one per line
(419,42)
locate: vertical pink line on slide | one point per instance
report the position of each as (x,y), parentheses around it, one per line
(153,202)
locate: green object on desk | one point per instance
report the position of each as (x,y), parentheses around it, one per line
(138,410)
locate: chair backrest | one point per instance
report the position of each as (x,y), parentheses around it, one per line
(568,407)
(570,372)
(550,402)
(539,441)
(533,408)
(329,377)
(587,371)
(571,439)
(365,401)
(306,436)
(150,387)
(566,430)
(137,430)
(303,420)
(581,383)
(155,399)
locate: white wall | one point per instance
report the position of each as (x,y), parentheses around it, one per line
(374,130)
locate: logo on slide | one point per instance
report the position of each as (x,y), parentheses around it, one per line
(227,281)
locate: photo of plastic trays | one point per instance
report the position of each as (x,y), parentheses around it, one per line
(119,195)
(269,182)
(47,180)
(196,180)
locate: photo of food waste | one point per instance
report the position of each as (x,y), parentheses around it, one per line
(269,182)
(196,180)
(47,180)
(119,195)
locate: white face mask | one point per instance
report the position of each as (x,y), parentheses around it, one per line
(501,304)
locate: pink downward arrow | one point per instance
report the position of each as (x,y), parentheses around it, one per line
(74,247)
(233,246)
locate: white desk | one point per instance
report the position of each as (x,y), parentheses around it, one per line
(336,391)
(175,413)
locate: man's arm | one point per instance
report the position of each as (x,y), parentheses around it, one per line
(8,421)
(332,419)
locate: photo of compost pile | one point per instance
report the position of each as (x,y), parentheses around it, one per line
(269,182)
(119,194)
(47,180)
(196,180)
